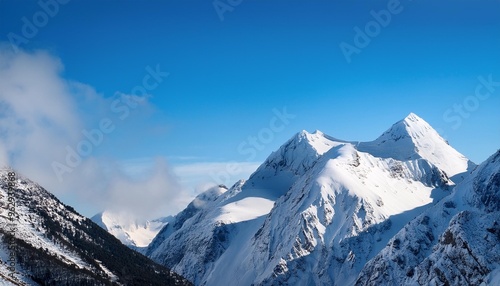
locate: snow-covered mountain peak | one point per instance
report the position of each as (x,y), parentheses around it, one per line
(306,140)
(299,153)
(414,118)
(408,132)
(416,127)
(128,229)
(318,141)
(413,138)
(209,195)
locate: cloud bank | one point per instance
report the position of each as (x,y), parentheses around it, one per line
(51,127)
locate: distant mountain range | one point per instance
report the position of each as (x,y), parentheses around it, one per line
(404,209)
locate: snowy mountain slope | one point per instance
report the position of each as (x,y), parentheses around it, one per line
(201,233)
(129,230)
(338,216)
(54,245)
(456,242)
(316,210)
(198,237)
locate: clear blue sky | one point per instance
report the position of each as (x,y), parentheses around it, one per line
(226,77)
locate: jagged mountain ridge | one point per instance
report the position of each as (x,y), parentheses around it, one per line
(315,211)
(54,245)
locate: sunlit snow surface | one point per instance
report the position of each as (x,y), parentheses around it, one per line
(245,210)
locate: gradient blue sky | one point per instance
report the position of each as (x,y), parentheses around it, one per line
(226,77)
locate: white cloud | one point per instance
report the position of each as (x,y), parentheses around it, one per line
(37,116)
(42,113)
(154,195)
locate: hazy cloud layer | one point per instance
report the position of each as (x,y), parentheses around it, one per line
(42,113)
